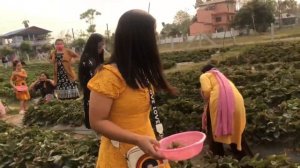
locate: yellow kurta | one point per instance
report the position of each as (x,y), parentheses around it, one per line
(19,80)
(130,110)
(210,89)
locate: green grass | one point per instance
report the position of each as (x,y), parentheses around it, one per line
(13,111)
(291,33)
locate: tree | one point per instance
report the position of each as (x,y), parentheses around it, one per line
(78,44)
(183,20)
(198,3)
(68,38)
(81,34)
(108,39)
(89,17)
(25,23)
(46,48)
(287,6)
(180,25)
(6,50)
(110,42)
(26,49)
(170,30)
(256,14)
(272,5)
(181,16)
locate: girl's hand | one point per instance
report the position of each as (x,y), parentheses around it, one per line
(15,73)
(149,146)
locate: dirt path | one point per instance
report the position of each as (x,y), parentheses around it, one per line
(15,119)
(185,66)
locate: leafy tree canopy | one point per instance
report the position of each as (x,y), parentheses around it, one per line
(257,14)
(180,25)
(89,17)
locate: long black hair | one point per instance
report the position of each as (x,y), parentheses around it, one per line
(57,40)
(46,74)
(89,61)
(90,58)
(207,67)
(136,53)
(15,63)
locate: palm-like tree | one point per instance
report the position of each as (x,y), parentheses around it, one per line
(26,23)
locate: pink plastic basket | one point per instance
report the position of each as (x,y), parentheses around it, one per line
(191,141)
(22,88)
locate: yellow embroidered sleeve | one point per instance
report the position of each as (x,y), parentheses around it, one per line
(107,83)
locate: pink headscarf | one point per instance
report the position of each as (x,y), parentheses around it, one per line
(226,105)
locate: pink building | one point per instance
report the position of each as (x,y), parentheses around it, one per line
(213,16)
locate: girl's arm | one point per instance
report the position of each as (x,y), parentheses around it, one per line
(75,57)
(11,81)
(51,56)
(73,54)
(51,82)
(22,74)
(32,86)
(99,110)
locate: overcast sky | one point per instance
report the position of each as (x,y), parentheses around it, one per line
(60,16)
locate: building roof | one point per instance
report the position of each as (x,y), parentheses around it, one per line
(215,2)
(26,31)
(286,15)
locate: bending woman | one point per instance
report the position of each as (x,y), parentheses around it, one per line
(225,113)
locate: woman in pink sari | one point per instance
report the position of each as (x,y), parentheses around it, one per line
(225,116)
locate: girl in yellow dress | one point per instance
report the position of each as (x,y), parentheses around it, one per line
(17,79)
(120,101)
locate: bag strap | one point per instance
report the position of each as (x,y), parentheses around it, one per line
(158,125)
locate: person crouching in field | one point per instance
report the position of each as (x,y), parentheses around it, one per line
(224,115)
(18,82)
(46,87)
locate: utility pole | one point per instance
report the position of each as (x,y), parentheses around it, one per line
(73,34)
(149,7)
(279,10)
(107,33)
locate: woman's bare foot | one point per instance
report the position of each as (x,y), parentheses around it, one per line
(22,112)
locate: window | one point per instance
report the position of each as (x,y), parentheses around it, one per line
(218,19)
(210,7)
